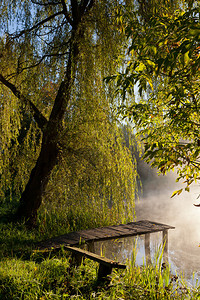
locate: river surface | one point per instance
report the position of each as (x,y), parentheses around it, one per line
(157,205)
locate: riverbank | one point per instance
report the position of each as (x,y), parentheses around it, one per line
(27,275)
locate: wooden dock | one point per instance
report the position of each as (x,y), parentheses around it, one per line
(74,240)
(105,233)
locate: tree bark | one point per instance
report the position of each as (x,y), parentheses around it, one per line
(31,198)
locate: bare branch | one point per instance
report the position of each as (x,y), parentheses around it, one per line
(46,3)
(86,5)
(41,59)
(38,116)
(66,13)
(38,24)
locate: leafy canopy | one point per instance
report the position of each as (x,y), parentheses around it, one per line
(164,65)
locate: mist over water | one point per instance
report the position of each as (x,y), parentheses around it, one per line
(157,205)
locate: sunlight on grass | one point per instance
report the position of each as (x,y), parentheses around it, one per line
(25,274)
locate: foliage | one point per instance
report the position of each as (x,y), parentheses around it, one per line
(164,65)
(39,54)
(27,274)
(53,279)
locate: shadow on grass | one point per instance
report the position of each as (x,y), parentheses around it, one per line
(15,239)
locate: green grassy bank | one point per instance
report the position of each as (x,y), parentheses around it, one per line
(25,274)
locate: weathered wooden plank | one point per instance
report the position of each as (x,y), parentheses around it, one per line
(147,226)
(87,236)
(131,228)
(138,229)
(110,232)
(104,233)
(71,238)
(98,233)
(115,232)
(152,226)
(150,223)
(122,229)
(125,232)
(100,259)
(126,227)
(94,232)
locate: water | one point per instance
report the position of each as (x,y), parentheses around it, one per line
(179,211)
(181,262)
(157,205)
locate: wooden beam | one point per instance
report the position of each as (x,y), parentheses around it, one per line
(165,246)
(147,248)
(100,259)
(103,273)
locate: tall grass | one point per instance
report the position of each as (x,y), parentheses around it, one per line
(25,274)
(53,278)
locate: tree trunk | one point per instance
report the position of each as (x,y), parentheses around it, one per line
(31,198)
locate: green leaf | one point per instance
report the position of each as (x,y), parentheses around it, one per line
(178,192)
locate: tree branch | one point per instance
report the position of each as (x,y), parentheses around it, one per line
(40,61)
(38,116)
(86,5)
(79,10)
(38,24)
(75,13)
(45,4)
(66,13)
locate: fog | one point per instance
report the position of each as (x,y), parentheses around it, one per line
(157,205)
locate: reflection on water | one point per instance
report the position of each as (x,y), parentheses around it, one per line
(181,262)
(157,205)
(123,249)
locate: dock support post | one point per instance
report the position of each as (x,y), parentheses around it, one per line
(165,246)
(147,248)
(103,272)
(90,247)
(76,259)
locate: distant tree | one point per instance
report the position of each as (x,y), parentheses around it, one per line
(58,127)
(163,72)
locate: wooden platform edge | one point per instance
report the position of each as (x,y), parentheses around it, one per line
(96,234)
(100,259)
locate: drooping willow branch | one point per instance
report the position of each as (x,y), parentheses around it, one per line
(41,60)
(38,116)
(37,25)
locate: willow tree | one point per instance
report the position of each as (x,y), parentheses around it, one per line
(57,118)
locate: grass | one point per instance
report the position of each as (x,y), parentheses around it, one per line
(25,274)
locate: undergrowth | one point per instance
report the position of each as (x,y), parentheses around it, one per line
(26,274)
